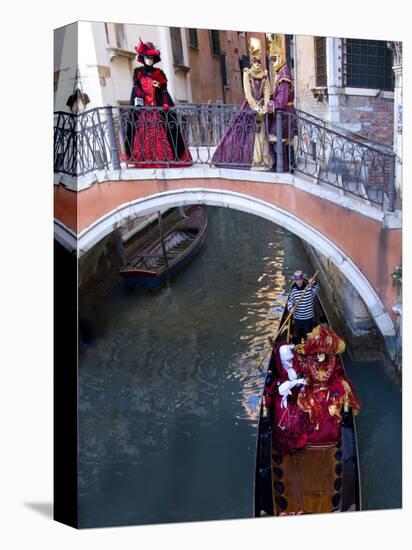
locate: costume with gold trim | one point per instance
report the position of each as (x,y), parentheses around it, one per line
(245,142)
(314,411)
(282,97)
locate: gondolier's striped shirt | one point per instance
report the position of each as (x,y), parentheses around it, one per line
(305,309)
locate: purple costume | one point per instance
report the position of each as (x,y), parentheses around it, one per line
(237,147)
(282,99)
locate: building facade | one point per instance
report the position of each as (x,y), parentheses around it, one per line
(99,58)
(202,65)
(217,59)
(347,82)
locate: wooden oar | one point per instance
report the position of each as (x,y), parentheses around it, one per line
(286,321)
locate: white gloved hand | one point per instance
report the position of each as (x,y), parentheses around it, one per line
(285,389)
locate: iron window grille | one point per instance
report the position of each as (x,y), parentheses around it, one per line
(214,42)
(193,43)
(368,64)
(320,60)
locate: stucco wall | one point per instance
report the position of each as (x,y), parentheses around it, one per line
(306,78)
(65,64)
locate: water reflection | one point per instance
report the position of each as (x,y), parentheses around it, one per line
(172,379)
(169,393)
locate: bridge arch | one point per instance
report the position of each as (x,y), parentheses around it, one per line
(92,234)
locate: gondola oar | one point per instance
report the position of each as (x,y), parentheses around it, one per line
(286,321)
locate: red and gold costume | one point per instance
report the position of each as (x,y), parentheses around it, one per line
(153,137)
(314,412)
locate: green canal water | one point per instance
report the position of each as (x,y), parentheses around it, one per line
(169,390)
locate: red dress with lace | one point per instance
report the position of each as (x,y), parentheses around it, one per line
(157,141)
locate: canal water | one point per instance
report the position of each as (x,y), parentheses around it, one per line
(169,389)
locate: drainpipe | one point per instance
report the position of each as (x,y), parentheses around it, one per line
(334,80)
(221,60)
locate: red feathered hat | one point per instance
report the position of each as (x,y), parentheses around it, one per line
(147,48)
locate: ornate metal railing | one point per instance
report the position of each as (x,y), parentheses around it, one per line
(115,137)
(82,142)
(352,166)
(360,138)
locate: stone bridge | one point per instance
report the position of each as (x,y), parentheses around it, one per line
(363,241)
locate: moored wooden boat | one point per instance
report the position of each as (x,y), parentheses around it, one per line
(158,261)
(317,478)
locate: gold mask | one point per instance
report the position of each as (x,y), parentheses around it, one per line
(255,50)
(276,50)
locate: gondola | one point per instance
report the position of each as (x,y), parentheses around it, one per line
(312,479)
(160,259)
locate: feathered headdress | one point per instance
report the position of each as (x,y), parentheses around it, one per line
(323,340)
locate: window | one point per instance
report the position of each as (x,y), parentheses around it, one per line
(120,36)
(320,61)
(193,38)
(290,51)
(106,30)
(177,47)
(214,42)
(368,64)
(224,71)
(244,62)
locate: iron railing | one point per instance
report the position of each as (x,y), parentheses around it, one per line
(224,136)
(353,167)
(385,148)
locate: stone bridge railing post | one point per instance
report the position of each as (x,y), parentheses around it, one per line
(391,190)
(114,153)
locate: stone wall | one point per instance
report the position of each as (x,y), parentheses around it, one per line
(351,318)
(346,309)
(98,273)
(99,267)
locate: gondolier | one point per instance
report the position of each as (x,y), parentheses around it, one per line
(302,304)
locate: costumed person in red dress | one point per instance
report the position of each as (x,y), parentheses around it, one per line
(308,403)
(282,98)
(153,138)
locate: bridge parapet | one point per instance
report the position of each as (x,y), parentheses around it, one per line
(113,142)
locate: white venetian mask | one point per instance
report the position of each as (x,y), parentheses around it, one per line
(148,60)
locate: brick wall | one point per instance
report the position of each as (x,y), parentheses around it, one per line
(205,72)
(372,117)
(307,102)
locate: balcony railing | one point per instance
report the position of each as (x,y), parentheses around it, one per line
(115,137)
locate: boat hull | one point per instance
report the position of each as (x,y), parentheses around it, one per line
(158,261)
(154,281)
